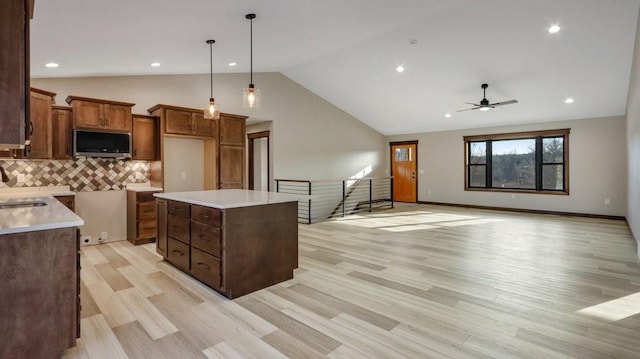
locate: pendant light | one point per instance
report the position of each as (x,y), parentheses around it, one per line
(251,95)
(211,112)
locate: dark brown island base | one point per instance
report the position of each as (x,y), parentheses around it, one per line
(235,241)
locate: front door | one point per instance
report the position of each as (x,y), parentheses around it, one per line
(403,170)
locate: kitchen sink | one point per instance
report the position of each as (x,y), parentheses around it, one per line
(7,205)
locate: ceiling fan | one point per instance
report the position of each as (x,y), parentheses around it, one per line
(484,103)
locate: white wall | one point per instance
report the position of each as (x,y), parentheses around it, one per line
(183,164)
(103,211)
(597,165)
(633,144)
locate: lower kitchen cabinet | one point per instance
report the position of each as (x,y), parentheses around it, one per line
(233,250)
(141,216)
(39,300)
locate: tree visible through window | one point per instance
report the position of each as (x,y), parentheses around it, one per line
(528,161)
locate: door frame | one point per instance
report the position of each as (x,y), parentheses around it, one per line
(250,138)
(391,144)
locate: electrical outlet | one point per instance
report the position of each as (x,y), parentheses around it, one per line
(513,196)
(421,172)
(103,236)
(428,191)
(183,175)
(607,201)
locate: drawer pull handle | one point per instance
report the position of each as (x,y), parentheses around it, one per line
(204,265)
(178,209)
(206,217)
(177,252)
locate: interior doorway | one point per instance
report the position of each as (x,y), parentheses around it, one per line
(404,159)
(259,178)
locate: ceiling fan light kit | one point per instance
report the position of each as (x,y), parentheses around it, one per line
(484,104)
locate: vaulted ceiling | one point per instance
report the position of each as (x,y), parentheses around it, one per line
(347,52)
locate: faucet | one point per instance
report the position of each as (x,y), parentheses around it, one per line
(5,178)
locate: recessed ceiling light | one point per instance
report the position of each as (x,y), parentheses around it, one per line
(232,64)
(447,115)
(554,29)
(51,64)
(569,100)
(400,68)
(155,64)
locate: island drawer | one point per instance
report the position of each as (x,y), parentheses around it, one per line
(178,254)
(178,209)
(206,215)
(205,267)
(178,228)
(205,238)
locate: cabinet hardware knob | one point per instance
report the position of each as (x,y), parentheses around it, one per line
(177,252)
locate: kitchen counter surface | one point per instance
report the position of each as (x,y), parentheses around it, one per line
(25,219)
(228,198)
(20,192)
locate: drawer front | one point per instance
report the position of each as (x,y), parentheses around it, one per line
(146,210)
(205,267)
(178,228)
(205,238)
(147,229)
(179,209)
(145,196)
(178,254)
(206,215)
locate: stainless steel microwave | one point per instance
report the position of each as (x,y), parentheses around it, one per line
(101,144)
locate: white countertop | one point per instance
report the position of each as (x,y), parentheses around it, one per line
(25,219)
(18,192)
(228,198)
(144,189)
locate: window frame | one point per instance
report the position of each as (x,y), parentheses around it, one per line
(538,136)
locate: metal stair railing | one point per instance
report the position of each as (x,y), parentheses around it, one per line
(320,200)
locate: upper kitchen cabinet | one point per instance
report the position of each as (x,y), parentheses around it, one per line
(62,132)
(40,124)
(231,151)
(144,138)
(14,71)
(182,121)
(232,129)
(96,114)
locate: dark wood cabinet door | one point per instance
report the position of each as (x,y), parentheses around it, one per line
(144,138)
(178,122)
(117,117)
(232,130)
(178,228)
(231,167)
(87,115)
(62,133)
(40,120)
(205,267)
(161,241)
(14,76)
(202,126)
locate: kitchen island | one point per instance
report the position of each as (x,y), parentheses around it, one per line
(40,271)
(235,241)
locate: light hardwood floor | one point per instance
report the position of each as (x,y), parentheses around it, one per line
(414,282)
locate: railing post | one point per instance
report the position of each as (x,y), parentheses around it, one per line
(344,193)
(277,185)
(391,184)
(370,193)
(309,204)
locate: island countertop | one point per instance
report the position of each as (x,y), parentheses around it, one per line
(25,219)
(228,198)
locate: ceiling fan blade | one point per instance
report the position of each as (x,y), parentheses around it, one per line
(471,103)
(468,109)
(504,103)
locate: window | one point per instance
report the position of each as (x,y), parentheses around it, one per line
(518,162)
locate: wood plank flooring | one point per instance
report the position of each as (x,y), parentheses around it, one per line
(418,281)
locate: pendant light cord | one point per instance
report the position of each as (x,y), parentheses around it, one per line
(211,69)
(251,46)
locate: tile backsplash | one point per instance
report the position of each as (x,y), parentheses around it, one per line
(81,175)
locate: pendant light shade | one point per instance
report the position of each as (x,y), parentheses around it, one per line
(211,112)
(251,95)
